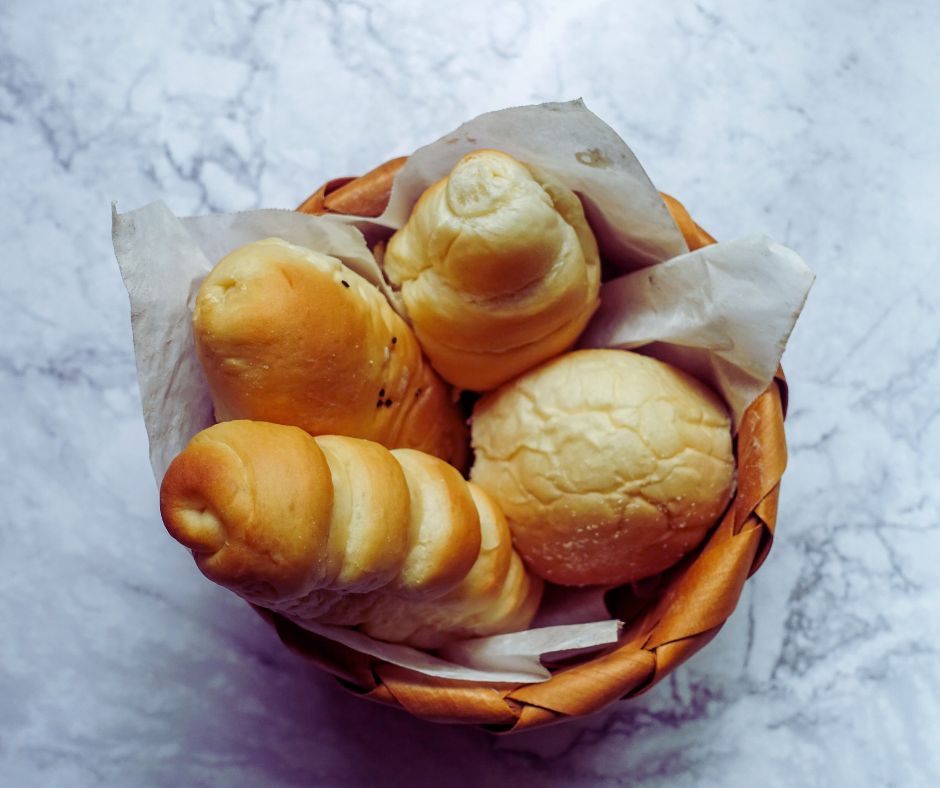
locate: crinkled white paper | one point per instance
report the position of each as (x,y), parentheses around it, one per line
(514,652)
(163,260)
(723,313)
(510,658)
(632,225)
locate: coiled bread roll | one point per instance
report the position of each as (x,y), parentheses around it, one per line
(610,466)
(498,270)
(291,336)
(339,530)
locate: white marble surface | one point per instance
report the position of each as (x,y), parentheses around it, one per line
(813,122)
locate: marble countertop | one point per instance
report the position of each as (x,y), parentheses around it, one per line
(815,123)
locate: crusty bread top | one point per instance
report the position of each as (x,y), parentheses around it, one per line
(608,464)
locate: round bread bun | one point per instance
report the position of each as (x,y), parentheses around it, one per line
(498,269)
(610,466)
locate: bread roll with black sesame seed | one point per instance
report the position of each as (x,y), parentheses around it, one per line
(288,335)
(338,530)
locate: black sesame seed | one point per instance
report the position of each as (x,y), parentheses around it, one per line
(394,340)
(381,392)
(417,392)
(388,403)
(378,404)
(345,283)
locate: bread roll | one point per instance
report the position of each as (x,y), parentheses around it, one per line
(610,466)
(497,595)
(340,530)
(498,270)
(291,336)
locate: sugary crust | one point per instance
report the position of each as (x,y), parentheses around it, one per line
(608,465)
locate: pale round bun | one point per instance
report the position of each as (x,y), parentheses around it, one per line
(609,465)
(498,270)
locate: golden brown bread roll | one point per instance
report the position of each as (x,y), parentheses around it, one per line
(291,336)
(497,268)
(339,530)
(610,466)
(497,595)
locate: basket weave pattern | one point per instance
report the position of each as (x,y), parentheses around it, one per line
(668,618)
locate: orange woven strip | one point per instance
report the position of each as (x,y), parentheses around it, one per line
(316,202)
(446,701)
(762,452)
(707,592)
(593,684)
(533,717)
(381,694)
(695,236)
(365,196)
(766,510)
(671,655)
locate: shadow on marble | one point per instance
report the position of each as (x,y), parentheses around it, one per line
(261,709)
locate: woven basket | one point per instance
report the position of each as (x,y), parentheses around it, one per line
(668,618)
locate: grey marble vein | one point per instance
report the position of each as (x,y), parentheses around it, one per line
(815,123)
